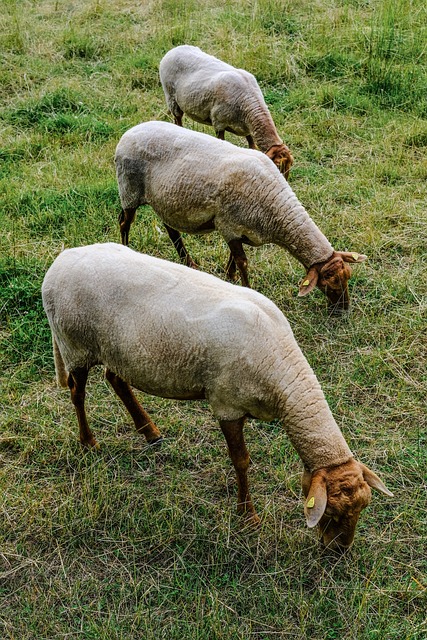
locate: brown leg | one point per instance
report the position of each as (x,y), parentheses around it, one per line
(142,420)
(77,384)
(251,142)
(231,267)
(239,256)
(126,217)
(220,135)
(233,433)
(176,238)
(177,114)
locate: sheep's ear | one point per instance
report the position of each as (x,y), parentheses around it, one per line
(315,503)
(373,480)
(352,256)
(309,282)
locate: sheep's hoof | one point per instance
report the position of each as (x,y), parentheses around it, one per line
(156,441)
(250,517)
(252,520)
(91,444)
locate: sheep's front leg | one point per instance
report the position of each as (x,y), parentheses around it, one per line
(142,420)
(238,257)
(176,238)
(233,433)
(126,217)
(77,384)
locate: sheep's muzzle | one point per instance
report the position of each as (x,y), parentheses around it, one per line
(282,158)
(333,281)
(338,534)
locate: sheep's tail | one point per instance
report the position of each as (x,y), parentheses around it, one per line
(61,372)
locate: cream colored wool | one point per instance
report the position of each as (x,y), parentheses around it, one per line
(211,91)
(194,181)
(179,333)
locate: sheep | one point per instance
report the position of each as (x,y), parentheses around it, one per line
(178,333)
(196,183)
(213,92)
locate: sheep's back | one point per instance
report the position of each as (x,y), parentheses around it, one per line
(164,328)
(209,90)
(188,177)
(185,61)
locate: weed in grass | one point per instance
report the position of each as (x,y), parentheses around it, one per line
(388,74)
(13,38)
(34,112)
(25,334)
(334,65)
(417,138)
(59,113)
(82,46)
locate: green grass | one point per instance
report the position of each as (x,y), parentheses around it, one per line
(129,542)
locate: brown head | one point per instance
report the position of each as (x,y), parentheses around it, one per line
(281,157)
(332,278)
(335,497)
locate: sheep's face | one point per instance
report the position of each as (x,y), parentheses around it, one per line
(335,497)
(282,158)
(333,281)
(332,278)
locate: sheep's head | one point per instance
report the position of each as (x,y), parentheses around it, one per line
(332,278)
(335,497)
(282,158)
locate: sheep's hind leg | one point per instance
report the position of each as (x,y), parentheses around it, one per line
(177,113)
(233,433)
(77,384)
(126,217)
(142,420)
(178,119)
(176,238)
(238,257)
(231,268)
(251,142)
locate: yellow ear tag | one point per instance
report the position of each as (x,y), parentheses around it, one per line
(355,256)
(305,283)
(310,503)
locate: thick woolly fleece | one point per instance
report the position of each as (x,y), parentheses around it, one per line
(178,333)
(196,183)
(213,92)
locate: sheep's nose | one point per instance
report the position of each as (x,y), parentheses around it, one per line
(339,308)
(338,302)
(334,545)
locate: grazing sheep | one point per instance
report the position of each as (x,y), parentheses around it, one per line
(213,92)
(196,184)
(179,333)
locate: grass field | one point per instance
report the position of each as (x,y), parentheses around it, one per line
(131,543)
